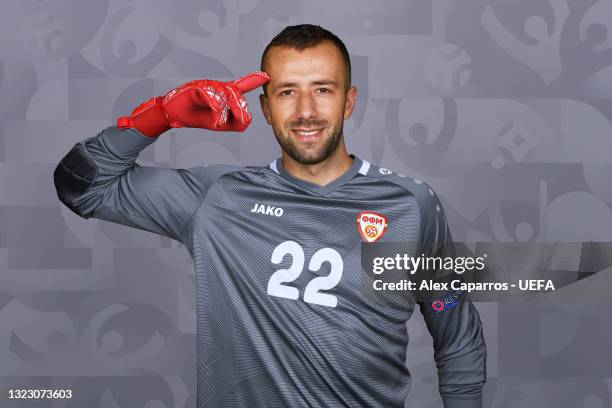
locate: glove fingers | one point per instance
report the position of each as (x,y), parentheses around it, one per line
(241,117)
(207,104)
(251,81)
(211,96)
(182,103)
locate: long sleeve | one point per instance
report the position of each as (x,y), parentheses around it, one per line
(456,329)
(99,178)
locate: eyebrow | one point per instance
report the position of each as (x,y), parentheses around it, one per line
(286,84)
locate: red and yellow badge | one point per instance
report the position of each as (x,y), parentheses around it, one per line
(372,226)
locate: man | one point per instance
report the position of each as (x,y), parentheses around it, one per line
(282,319)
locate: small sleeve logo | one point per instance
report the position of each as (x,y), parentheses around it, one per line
(450,300)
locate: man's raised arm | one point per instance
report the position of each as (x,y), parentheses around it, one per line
(99,177)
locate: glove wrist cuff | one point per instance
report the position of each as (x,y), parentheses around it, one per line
(148,118)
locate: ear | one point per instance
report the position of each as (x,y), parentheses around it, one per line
(351,100)
(265,108)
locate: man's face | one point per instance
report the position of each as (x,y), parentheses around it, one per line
(306,102)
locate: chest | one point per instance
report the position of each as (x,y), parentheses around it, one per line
(260,219)
(292,246)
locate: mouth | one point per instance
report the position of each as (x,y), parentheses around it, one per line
(307,135)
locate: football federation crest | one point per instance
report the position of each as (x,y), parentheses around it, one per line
(371,225)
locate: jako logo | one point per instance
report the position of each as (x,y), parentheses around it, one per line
(267,210)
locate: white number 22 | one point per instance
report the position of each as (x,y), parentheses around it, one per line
(312,292)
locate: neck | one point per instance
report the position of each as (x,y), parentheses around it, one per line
(320,173)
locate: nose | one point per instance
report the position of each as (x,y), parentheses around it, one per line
(306,107)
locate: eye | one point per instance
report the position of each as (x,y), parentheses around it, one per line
(324,90)
(286,92)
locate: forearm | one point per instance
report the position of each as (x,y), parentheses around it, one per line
(115,150)
(460,353)
(455,389)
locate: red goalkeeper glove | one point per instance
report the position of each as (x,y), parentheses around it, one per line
(202,103)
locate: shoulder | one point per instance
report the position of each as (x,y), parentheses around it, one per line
(422,191)
(433,227)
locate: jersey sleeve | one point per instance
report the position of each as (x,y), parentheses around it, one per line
(99,178)
(451,318)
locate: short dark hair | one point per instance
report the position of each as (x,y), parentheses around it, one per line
(305,36)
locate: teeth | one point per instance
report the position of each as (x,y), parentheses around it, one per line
(307,132)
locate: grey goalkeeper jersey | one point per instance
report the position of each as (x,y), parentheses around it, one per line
(283,316)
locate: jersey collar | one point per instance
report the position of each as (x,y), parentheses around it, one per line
(358,164)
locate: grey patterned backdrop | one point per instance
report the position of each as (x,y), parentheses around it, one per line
(505,107)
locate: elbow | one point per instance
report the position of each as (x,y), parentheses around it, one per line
(74,174)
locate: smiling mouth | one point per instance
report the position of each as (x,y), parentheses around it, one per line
(307,134)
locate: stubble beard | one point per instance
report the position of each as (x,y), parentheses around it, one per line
(333,134)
